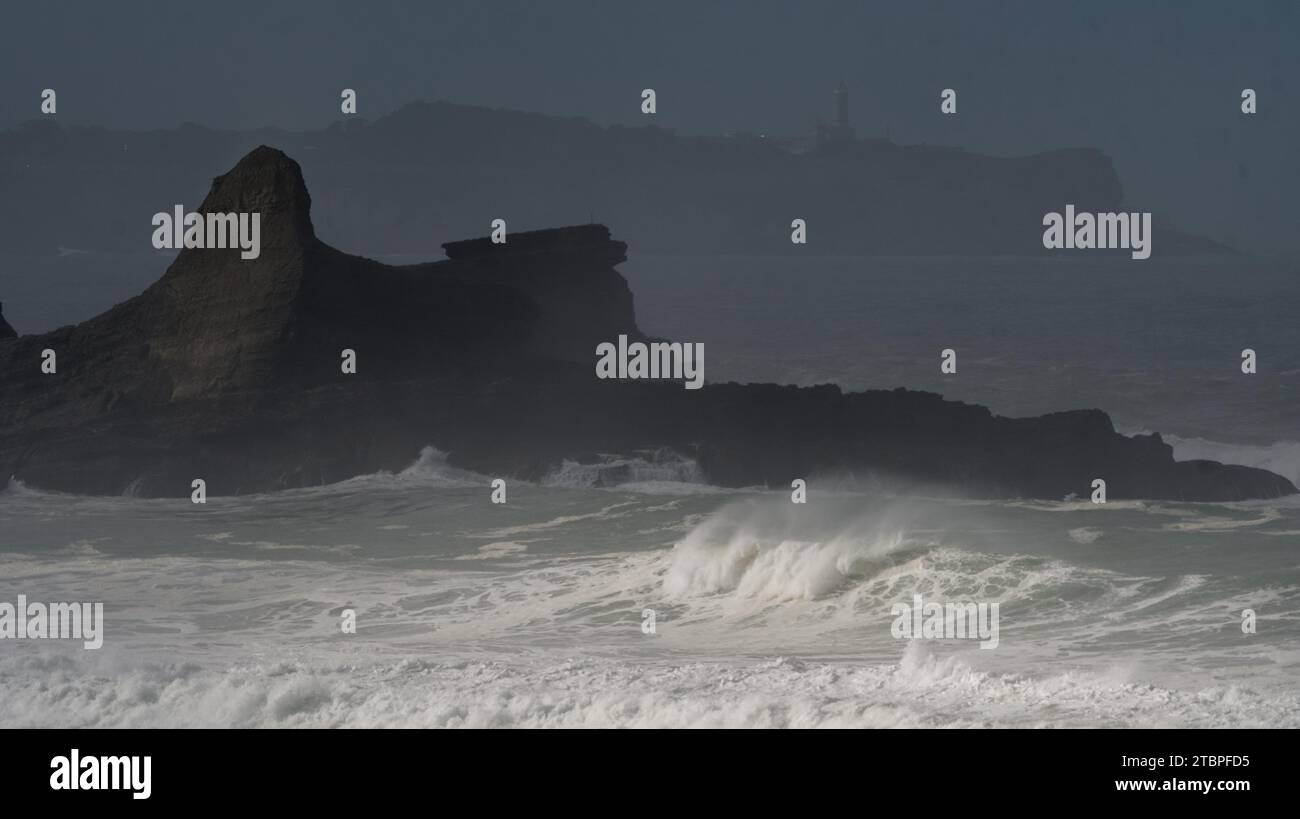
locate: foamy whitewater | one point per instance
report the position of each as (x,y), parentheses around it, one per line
(767,613)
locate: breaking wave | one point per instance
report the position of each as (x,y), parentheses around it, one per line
(660,471)
(760,549)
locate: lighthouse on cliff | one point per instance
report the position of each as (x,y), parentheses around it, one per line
(839,132)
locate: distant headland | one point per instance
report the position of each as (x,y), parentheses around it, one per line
(438,169)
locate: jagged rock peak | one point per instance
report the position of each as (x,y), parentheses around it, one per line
(265,181)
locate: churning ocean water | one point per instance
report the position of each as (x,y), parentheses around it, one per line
(766,613)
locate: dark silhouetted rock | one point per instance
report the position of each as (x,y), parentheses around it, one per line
(229,370)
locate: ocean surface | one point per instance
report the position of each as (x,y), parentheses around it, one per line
(766,613)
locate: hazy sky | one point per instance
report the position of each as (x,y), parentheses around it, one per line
(1155,84)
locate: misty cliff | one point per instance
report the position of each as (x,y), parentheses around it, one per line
(439,169)
(229,370)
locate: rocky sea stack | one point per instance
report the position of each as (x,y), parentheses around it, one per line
(229,369)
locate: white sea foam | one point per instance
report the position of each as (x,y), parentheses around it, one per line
(918,689)
(1084,534)
(529,613)
(657,472)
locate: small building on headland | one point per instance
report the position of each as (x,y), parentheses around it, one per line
(823,137)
